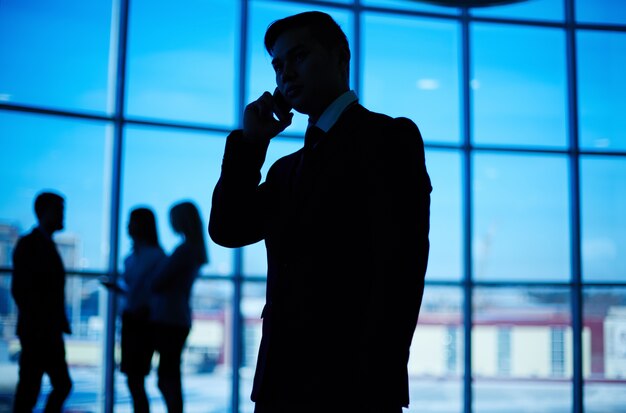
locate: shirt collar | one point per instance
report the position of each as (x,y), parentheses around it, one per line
(329,117)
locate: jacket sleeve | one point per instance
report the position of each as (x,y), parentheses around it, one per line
(239,200)
(399,208)
(21,282)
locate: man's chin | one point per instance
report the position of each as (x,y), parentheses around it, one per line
(300,108)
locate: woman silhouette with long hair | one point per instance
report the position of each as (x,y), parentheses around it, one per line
(171,309)
(140,267)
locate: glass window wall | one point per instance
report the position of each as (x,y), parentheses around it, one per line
(521,109)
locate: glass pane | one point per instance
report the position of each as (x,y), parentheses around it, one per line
(519,85)
(601,90)
(261,76)
(181,60)
(604,344)
(86,310)
(603,202)
(162,168)
(206,360)
(9,344)
(55,53)
(416,75)
(528,9)
(65,155)
(251,308)
(521,218)
(600,11)
(445,258)
(410,5)
(254,256)
(436,362)
(522,350)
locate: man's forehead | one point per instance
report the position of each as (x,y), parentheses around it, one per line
(292,39)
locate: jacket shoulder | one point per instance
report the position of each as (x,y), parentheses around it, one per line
(376,122)
(26,242)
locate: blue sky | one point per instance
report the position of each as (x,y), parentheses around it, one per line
(183,65)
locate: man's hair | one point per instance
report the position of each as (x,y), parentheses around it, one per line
(323,28)
(45,201)
(144,226)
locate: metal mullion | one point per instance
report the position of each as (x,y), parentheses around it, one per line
(116,173)
(600,27)
(237,342)
(467,211)
(358,44)
(41,110)
(574,169)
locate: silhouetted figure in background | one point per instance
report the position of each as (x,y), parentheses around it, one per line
(345,221)
(38,288)
(171,309)
(137,337)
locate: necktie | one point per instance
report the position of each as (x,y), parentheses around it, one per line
(303,175)
(312,137)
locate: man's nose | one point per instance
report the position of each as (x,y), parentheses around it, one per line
(288,72)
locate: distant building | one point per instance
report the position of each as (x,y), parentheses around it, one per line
(9,233)
(67,244)
(69,249)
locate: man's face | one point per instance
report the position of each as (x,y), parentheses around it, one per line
(308,75)
(58,216)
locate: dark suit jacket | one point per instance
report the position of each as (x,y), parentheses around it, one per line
(38,287)
(346,259)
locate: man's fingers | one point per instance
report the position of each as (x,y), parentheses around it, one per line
(259,121)
(286,121)
(262,107)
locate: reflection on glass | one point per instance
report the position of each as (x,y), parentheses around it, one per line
(601,90)
(207,357)
(163,167)
(519,85)
(261,76)
(605,364)
(521,223)
(86,310)
(436,361)
(603,202)
(416,75)
(521,350)
(68,156)
(55,53)
(254,256)
(444,261)
(181,60)
(600,11)
(528,9)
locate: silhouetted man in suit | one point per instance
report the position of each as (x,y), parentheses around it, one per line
(38,288)
(345,221)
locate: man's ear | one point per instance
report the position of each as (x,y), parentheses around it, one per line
(343,60)
(344,56)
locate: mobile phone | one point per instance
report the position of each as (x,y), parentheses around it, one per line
(281,106)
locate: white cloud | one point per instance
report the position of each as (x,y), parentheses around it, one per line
(427,84)
(599,248)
